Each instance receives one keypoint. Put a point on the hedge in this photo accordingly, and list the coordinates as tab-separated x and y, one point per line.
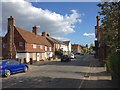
113	62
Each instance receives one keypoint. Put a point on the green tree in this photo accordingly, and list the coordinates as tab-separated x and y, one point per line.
86	48
86	45
110	11
59	52
91	47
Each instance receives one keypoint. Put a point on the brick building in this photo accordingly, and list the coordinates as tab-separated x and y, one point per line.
76	48
57	44
100	45
25	45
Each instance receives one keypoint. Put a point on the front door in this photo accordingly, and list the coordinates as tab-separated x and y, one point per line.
38	56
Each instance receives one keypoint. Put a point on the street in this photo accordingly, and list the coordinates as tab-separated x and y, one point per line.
82	72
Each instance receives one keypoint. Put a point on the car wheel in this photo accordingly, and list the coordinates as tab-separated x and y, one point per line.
69	59
7	73
25	69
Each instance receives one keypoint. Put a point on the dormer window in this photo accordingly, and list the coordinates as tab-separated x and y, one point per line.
34	45
20	44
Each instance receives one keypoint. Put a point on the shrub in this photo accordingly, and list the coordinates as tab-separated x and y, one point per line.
113	62
59	52
54	57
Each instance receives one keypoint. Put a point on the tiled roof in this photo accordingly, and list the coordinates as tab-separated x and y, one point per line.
78	45
30	37
55	40
52	40
58	41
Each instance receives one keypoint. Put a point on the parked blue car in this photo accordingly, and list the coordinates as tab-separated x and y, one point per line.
8	67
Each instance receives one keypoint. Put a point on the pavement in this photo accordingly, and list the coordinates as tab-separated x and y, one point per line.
42	62
98	77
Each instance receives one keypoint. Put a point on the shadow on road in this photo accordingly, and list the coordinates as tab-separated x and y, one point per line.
48	82
82	61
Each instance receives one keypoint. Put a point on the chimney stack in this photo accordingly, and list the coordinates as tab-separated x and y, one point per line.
11	49
98	21
35	30
11	22
44	34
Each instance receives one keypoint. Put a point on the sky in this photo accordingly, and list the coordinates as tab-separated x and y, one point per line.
74	21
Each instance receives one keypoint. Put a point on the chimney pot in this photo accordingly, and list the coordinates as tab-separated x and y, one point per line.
44	34
11	21
35	30
98	21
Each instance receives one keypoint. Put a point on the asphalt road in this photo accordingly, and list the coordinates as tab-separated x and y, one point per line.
82	72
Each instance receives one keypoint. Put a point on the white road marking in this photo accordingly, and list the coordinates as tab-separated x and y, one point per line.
84	78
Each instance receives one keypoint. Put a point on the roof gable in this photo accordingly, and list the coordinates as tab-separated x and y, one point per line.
66	42
30	37
52	40
58	41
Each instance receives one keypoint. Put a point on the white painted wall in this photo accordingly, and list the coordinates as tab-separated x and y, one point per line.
33	56
64	47
69	47
27	57
22	56
45	55
38	56
48	54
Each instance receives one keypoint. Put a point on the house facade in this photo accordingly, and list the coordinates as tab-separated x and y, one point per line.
57	44
100	45
68	46
22	44
76	48
52	41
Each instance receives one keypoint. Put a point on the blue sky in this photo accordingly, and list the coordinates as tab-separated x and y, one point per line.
89	11
62	20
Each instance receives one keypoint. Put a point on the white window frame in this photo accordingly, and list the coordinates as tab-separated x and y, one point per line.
45	48
34	46
50	48
41	46
20	44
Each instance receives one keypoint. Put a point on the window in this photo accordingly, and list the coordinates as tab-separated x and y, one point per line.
20	44
50	48
4	45
45	48
16	62
9	63
12	62
41	46
34	45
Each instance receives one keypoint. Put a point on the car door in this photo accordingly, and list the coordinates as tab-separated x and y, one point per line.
18	66
10	65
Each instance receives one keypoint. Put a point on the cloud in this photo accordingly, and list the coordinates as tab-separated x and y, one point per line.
89	34
62	38
27	16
